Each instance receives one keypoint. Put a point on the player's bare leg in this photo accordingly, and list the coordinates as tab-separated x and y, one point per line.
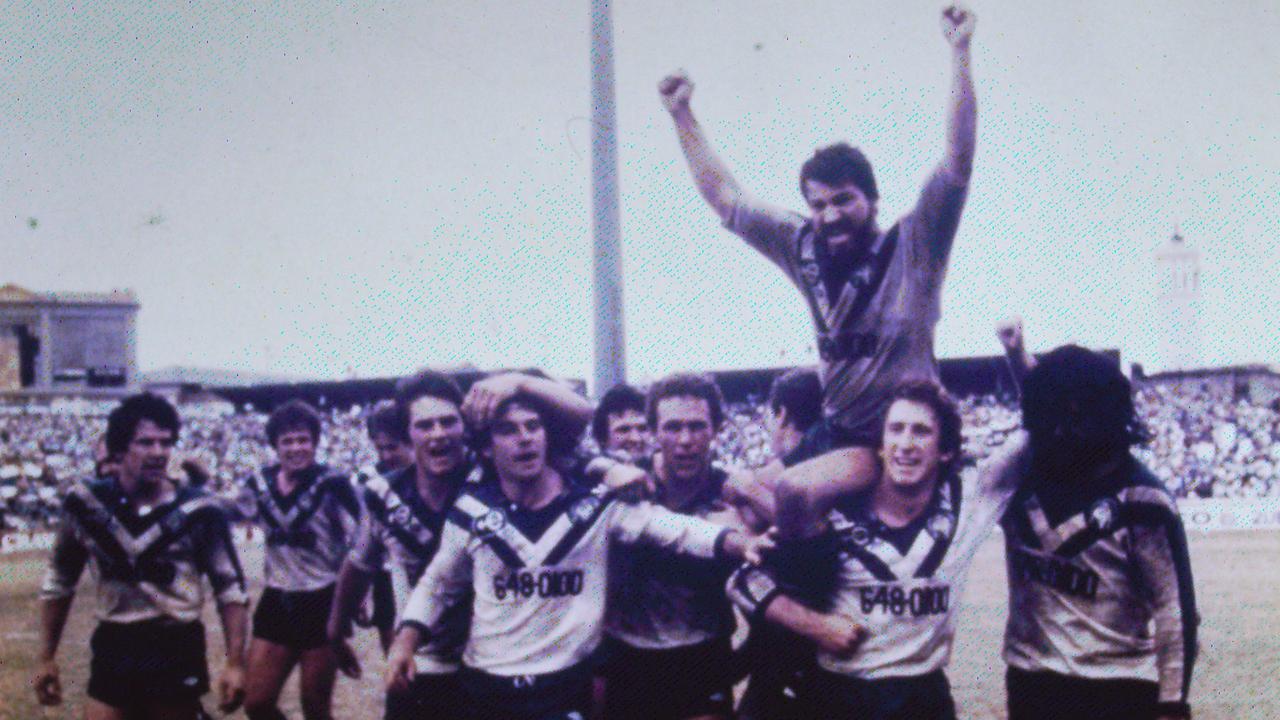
269	666
807	491
319	668
98	710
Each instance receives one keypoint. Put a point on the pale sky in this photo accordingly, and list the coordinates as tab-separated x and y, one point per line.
325	188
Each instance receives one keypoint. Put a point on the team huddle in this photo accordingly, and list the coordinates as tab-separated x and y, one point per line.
514	576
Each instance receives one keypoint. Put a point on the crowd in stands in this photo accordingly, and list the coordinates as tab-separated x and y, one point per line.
1202	444
1205	445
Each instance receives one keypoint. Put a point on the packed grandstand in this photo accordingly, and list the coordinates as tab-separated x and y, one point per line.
1203	444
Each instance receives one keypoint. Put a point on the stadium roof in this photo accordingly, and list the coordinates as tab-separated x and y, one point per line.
209	377
13	294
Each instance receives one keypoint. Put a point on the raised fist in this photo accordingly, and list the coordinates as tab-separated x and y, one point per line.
1010	334
957	25
676	89
47	685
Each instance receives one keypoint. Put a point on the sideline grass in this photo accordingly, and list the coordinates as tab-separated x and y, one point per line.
1237	583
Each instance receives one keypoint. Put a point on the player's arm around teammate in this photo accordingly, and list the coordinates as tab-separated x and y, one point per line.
900	555
532	548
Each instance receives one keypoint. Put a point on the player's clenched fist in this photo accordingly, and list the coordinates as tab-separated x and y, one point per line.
48	688
676	89
957	25
1009	332
840	635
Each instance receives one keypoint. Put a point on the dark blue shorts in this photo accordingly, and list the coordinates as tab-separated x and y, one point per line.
825	436
1050	696
149	661
428	696
669	684
921	697
562	695
297	620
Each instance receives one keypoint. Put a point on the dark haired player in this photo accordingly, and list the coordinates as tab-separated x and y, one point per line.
874	293
1102	612
774	657
405	513
900	554
310	515
793	408
148	541
386	433
618	424
530	547
394	451
669	622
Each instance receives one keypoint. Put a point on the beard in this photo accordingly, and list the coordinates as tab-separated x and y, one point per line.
854	244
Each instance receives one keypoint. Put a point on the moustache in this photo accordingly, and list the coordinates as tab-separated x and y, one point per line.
843	226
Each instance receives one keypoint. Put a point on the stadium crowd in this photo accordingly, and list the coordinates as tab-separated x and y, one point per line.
1202	444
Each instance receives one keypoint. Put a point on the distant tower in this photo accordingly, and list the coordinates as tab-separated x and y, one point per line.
1178	268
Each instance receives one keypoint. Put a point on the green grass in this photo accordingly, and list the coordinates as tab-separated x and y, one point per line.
1237	583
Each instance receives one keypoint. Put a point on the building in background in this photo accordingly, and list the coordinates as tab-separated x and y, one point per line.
1178	268
54	343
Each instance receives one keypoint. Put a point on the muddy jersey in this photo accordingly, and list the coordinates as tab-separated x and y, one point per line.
1100	585
876	329
660	600
309	531
539	577
904	584
146	565
400	527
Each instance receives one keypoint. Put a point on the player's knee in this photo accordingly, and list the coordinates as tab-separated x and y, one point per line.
260	708
792	498
316	706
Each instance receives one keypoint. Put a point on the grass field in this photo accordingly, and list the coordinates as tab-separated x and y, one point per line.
1237	584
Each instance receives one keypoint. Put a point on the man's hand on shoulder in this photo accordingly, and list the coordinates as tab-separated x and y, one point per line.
485	396
676	90
957	25
621	477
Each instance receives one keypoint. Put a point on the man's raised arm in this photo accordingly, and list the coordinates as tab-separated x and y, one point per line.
570	408
962	114
710	174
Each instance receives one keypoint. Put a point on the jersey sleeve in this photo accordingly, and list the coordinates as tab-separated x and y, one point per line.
752	588
445	582
67	561
351	510
652	524
217	559
999	477
806	570
345	508
772	231
1163	569
936	218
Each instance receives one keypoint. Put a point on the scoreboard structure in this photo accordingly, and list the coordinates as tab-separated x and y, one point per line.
67	342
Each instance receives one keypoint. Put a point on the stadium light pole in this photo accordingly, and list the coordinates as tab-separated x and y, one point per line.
610	355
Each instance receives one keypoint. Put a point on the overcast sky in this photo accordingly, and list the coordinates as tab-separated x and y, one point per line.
326	189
